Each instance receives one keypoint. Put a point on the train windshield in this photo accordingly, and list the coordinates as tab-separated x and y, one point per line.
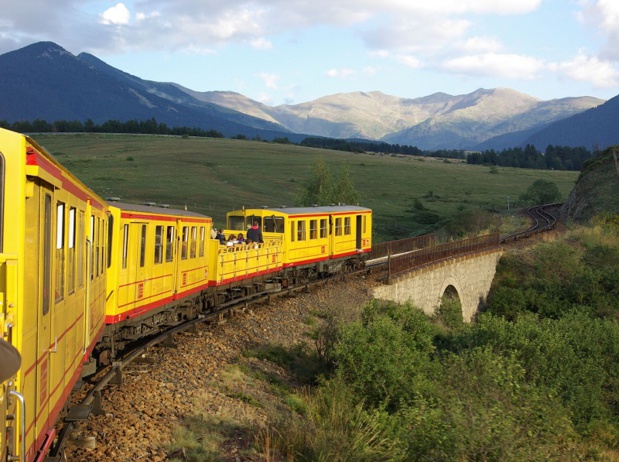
236	223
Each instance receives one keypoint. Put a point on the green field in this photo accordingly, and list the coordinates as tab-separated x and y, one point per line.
213	176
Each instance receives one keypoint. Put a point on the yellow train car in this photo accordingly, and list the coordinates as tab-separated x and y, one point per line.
245	265
314	239
52	288
158	267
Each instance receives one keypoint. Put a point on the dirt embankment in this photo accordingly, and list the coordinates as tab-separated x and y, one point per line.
207	379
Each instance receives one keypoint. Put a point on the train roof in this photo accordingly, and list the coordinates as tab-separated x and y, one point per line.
323	209
153	208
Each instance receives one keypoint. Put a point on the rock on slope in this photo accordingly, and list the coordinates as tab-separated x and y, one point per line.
596	190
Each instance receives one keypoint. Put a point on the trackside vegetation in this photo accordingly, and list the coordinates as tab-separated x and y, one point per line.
535	378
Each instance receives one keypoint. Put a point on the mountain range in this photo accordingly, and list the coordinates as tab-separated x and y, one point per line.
44	81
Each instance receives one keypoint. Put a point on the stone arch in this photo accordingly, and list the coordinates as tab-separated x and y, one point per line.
452	287
451	292
449	307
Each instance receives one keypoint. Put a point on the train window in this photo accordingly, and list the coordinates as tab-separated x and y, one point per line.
47	249
102	235
92	244
347	226
301	230
110	236
158	244
71	254
143	246
292	231
274	224
338	226
323	228
125	245
313	229
169	244
202	237
364	224
80	248
60	257
184	243
194	240
236	223
96	245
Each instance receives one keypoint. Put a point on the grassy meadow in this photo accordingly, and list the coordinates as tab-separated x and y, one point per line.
213	176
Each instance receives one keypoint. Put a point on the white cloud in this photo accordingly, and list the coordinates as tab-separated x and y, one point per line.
601	13
409	61
269	80
141	16
603	17
422	35
583	68
340	73
370	70
447	7
261	44
480	44
496	65
116	15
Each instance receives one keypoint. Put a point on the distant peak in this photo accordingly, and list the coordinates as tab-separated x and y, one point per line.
43	50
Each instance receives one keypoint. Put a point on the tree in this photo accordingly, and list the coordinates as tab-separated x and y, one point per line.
317	189
344	191
541	192
321	189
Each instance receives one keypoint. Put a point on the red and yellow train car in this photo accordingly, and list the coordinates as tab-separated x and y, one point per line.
52	287
314	240
158	268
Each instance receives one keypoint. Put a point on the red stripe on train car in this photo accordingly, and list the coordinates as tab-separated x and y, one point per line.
113	319
35	158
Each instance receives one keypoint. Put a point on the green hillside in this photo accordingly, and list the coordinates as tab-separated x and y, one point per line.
213	176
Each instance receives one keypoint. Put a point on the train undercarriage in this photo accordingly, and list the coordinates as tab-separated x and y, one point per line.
117	336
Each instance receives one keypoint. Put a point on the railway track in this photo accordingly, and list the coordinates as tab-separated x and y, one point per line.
544	219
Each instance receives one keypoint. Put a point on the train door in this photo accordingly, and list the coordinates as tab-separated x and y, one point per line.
38	306
359	239
137	259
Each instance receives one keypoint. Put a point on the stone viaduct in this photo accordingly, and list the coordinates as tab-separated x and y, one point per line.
466	273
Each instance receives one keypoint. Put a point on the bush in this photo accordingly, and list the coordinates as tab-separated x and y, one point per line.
384	357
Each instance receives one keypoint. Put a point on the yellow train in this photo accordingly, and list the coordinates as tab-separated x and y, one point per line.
80	277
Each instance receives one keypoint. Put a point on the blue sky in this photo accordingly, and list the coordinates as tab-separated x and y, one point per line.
293	51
